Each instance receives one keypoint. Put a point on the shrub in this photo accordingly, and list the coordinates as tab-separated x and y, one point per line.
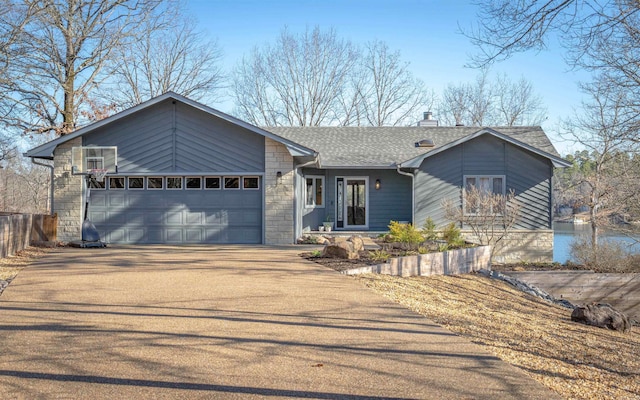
379	255
429	230
606	256
451	234
316	253
406	234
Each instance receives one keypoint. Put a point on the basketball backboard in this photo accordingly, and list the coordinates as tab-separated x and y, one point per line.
87	158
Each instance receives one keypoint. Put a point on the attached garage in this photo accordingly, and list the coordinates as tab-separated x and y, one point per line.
178	209
184	173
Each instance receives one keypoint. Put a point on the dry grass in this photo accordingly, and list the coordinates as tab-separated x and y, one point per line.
10	266
574	360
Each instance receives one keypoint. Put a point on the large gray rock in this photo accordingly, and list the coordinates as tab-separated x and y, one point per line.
601	315
342	249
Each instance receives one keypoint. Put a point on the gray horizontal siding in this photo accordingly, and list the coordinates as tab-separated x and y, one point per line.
391	203
439	177
530	178
170	137
529	175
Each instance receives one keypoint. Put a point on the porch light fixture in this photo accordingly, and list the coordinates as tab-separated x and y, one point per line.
278	177
377	184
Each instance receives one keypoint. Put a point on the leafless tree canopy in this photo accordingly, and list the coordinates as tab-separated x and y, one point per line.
609	186
171	56
602	36
485	102
65	47
316	78
296	81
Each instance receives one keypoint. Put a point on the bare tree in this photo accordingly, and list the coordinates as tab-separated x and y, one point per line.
66	47
391	95
172	56
609	186
489	216
486	102
297	81
601	36
516	103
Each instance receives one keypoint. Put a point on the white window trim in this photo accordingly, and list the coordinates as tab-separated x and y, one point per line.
174	177
104	182
224	183
477	178
188	188
124	182
155	177
220	183
324	190
255	177
130	188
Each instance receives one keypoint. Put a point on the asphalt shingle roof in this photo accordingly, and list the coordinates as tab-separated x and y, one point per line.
388	146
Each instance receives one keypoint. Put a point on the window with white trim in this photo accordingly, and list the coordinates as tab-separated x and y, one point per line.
485	184
232	182
155	183
250	183
193	182
135	182
174	182
314	191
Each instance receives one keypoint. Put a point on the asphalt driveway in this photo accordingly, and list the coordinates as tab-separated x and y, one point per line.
226	322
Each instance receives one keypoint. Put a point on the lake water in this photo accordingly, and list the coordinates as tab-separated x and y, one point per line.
563	235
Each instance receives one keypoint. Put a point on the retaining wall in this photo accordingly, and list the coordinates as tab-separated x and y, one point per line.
450	262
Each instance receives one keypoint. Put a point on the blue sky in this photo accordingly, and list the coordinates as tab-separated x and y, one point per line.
425	31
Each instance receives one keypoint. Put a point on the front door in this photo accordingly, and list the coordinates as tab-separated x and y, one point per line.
352	202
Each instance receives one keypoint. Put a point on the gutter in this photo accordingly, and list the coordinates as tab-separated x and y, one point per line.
33	161
413	193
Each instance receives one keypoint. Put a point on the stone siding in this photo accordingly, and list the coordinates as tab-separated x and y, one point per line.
524	246
67	193
279	194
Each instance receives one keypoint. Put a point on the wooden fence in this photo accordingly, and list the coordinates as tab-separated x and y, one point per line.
18	231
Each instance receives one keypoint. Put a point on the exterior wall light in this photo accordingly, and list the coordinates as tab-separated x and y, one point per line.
278	178
378	184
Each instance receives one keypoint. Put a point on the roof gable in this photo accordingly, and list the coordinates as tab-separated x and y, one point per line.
417	161
46	150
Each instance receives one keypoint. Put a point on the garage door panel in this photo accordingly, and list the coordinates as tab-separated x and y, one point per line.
178	216
193	218
135	235
194	236
173	217
174	235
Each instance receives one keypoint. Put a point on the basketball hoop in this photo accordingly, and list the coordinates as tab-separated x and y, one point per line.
98	174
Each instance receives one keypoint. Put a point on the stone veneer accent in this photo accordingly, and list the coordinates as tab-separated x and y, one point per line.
525	246
279	196
67	193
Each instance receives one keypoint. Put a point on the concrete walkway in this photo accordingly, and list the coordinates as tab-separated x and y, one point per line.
226	322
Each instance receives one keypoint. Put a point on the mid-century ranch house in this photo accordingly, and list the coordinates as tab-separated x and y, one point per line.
188	174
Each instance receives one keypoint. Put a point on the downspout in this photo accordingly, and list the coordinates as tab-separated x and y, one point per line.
413	193
295	192
33	161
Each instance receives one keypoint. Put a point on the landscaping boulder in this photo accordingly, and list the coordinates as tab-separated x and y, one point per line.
358	243
343	249
601	315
